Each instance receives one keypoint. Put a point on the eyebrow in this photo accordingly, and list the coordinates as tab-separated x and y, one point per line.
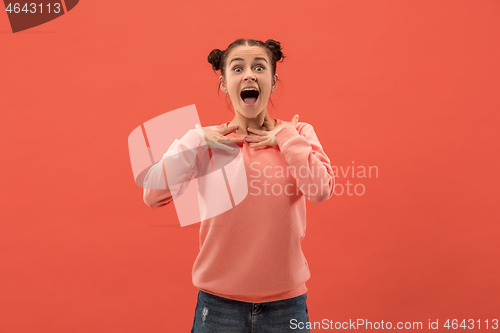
256	58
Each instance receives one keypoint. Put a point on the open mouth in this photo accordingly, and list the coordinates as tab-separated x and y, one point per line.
249	97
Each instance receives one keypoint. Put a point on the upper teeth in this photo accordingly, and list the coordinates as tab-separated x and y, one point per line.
250	88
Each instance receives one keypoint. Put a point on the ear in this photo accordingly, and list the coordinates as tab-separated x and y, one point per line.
222	84
275	81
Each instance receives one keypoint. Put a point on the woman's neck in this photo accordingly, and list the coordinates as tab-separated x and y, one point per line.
243	122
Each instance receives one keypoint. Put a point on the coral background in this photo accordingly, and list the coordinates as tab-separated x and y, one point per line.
408	86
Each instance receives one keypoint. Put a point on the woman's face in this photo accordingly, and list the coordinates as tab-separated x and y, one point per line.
248	66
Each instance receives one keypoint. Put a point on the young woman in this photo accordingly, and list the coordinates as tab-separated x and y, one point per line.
250	270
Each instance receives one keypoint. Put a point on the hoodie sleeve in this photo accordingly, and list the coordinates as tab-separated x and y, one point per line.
170	176
308	163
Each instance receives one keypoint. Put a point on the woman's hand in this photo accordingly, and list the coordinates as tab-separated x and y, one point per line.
217	138
268	138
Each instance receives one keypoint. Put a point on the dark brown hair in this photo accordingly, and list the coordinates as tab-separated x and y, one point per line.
218	57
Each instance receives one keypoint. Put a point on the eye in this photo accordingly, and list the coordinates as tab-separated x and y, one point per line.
258	66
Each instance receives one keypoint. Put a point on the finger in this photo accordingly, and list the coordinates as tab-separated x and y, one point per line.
224	138
295	120
220	146
240	139
255	138
260	144
231	139
229	129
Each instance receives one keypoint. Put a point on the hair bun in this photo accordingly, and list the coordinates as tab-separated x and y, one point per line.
275	48
214	58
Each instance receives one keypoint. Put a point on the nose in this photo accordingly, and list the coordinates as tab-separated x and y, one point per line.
249	75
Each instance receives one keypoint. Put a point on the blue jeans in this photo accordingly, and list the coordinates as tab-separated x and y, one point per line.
214	314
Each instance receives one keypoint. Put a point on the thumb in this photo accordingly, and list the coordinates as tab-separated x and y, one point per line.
295	120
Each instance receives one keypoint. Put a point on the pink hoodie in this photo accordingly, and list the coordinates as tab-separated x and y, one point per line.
252	252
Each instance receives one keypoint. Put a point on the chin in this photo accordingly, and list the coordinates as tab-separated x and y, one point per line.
250	114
